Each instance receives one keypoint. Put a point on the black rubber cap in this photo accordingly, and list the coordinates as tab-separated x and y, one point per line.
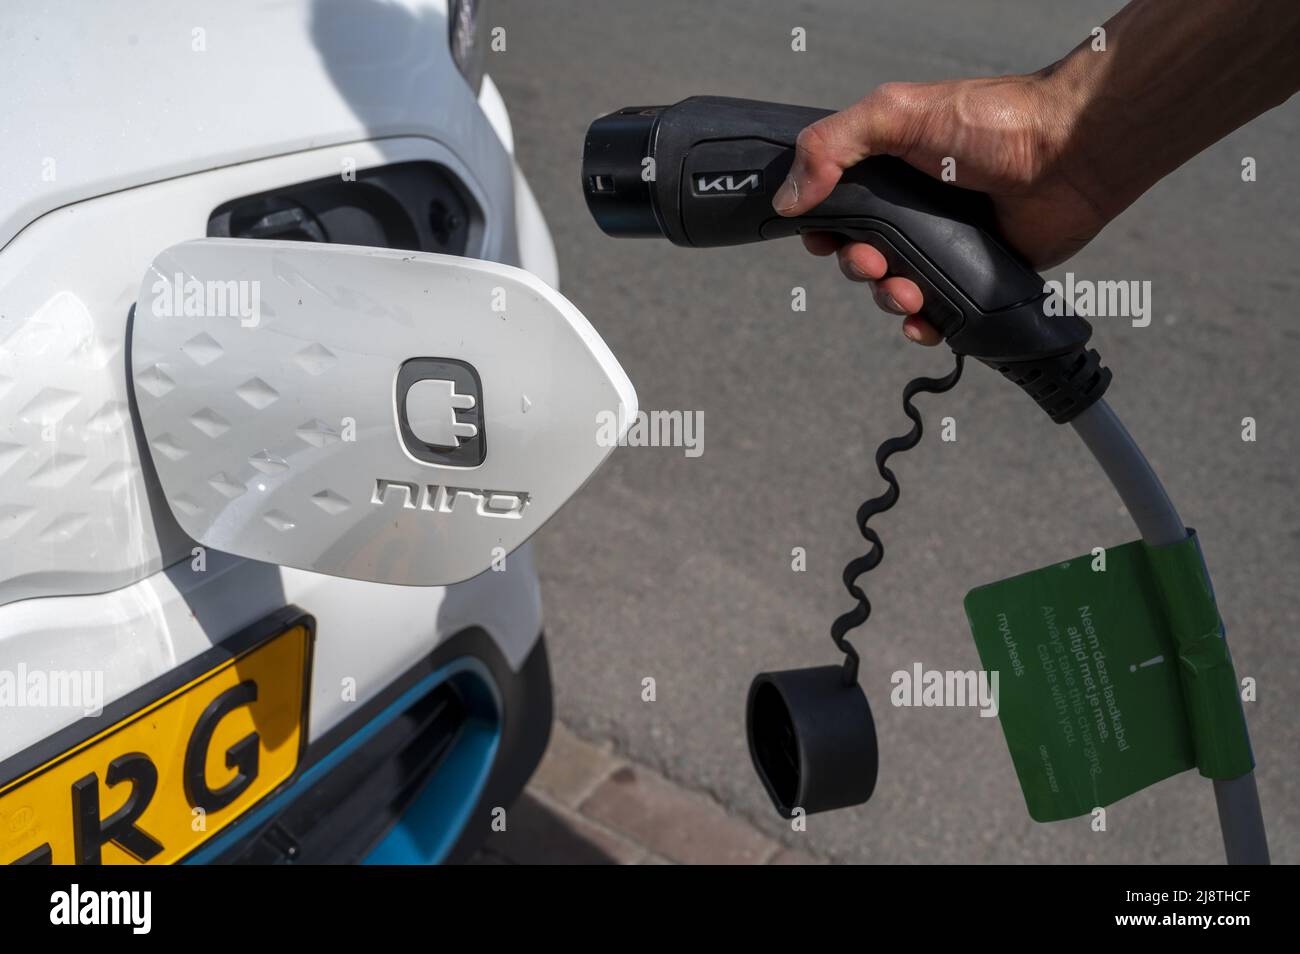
812	739
619	197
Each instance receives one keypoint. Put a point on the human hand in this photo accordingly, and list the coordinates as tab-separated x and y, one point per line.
1008	138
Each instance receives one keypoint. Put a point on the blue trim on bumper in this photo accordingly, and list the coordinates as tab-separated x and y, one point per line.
430	826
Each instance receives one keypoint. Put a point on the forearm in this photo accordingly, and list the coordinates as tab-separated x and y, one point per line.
1175	77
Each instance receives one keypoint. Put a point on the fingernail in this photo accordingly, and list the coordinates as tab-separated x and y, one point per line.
911	333
891	303
856	272
786	196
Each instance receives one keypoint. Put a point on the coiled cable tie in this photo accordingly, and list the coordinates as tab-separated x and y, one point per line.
871	559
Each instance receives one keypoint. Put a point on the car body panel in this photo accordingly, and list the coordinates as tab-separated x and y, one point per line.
126	129
76	511
378	414
166	88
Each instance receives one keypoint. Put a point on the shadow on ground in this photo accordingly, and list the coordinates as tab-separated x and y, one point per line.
537	835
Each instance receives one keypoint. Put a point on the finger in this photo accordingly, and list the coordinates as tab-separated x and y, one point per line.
899	296
834	143
861	262
921	331
821	153
821	243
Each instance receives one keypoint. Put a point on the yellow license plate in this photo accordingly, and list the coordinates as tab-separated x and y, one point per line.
150	784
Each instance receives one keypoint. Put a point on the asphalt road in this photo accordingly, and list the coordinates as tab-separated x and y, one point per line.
680	569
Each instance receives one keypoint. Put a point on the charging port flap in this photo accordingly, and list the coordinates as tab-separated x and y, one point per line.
399	417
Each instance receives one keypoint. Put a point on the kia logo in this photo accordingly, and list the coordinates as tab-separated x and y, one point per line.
728	183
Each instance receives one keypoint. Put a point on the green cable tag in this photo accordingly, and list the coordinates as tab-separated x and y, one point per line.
1110	680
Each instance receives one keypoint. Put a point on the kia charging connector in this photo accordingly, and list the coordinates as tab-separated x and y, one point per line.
703	173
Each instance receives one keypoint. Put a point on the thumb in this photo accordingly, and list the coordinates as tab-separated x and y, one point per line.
834	143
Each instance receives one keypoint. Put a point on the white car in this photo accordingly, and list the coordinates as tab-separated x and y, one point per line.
236	462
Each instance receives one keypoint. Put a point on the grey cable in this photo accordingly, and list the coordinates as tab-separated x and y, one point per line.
1144	496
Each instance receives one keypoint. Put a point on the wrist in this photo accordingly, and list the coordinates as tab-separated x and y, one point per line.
1083	140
